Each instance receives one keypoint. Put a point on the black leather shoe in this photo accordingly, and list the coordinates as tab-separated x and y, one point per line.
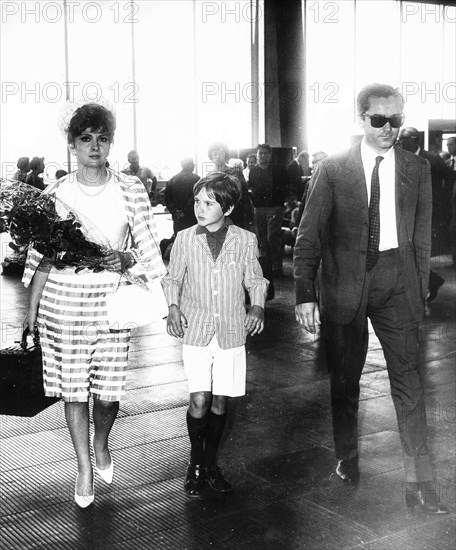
194	481
348	470
216	481
424	504
435	282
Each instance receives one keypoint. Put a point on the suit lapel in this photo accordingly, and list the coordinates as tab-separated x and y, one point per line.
403	182
228	244
356	175
202	243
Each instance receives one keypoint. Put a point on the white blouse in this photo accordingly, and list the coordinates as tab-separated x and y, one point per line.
102	213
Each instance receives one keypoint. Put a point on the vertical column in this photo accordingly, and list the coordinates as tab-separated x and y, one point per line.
285	97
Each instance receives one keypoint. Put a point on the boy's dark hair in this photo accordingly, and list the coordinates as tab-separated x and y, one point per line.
93	117
226	190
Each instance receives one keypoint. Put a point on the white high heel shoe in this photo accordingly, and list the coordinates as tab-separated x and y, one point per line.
107	474
83	501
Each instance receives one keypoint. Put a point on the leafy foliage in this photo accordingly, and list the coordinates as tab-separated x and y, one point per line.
30	217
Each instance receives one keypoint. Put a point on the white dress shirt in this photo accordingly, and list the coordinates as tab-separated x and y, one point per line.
386	174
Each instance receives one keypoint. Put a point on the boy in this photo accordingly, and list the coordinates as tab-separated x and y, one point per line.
211	264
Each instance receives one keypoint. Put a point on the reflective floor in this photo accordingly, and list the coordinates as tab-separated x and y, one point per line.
277	451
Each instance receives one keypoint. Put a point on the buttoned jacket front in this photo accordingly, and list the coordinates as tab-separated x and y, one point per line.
210	293
334	230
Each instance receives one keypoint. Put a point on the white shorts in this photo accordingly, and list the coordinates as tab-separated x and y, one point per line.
216	370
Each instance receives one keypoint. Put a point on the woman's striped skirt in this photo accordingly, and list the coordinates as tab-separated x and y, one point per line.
81	356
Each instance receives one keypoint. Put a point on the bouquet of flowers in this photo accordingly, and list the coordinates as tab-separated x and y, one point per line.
31	219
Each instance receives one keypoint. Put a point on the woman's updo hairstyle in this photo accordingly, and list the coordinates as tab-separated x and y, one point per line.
94	117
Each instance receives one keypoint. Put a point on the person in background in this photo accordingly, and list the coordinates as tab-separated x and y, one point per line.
297	170
23	165
211	266
451	164
269	187
142	173
179	196
243	214
60	173
251	161
37	168
83	356
442	179
366	229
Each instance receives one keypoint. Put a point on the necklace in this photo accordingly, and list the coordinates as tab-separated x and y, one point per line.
99	191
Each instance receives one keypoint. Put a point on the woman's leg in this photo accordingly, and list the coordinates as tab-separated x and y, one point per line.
104	414
77	417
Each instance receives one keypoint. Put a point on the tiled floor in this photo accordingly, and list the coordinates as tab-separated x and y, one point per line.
277	451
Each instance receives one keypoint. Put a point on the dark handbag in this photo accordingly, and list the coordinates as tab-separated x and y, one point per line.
21	378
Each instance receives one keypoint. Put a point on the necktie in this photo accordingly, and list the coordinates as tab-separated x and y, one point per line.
452	163
374	218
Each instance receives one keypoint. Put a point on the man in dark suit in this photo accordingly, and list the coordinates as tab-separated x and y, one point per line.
297	170
179	199
442	185
367	220
268	185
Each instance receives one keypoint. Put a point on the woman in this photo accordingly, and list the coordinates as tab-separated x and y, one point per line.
243	214
82	357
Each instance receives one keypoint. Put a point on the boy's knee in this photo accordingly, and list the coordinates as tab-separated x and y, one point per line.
199	403
219	403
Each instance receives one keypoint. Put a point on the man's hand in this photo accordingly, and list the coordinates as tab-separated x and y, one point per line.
176	322
254	320
308	315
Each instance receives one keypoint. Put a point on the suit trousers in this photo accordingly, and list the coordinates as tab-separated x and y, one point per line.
268	221
384	303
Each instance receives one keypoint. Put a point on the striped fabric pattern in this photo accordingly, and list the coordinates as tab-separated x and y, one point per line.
211	293
81	356
140	220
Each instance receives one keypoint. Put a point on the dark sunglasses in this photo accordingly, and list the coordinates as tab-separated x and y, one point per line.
378	121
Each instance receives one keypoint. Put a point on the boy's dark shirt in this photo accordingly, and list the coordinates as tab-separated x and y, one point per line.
215	239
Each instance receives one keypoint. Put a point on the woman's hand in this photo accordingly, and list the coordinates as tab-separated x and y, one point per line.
117	261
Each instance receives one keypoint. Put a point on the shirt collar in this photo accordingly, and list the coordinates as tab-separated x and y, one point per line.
368	152
200	230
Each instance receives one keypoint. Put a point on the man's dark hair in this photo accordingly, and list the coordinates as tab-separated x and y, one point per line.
91	116
226	190
375	90
36	163
264	146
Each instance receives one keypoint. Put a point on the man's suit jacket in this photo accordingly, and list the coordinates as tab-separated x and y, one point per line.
334	229
295	173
